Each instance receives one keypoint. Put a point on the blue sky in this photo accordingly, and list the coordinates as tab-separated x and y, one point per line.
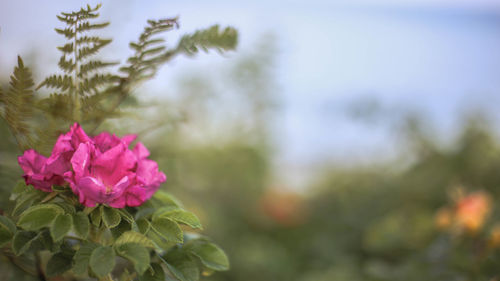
441	56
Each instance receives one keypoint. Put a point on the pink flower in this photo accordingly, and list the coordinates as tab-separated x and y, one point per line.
36	172
101	169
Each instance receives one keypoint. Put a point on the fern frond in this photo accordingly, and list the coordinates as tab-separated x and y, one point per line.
63	82
67	32
84	52
57	105
86	26
211	38
98	80
18	104
66	65
93	66
67	48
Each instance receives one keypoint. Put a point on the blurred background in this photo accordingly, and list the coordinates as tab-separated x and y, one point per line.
346	140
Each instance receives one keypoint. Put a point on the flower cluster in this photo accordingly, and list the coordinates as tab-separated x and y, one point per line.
100	169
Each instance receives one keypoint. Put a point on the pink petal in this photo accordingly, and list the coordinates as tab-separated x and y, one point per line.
140	151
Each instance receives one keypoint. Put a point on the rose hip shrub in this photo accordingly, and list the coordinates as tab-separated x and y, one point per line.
87	198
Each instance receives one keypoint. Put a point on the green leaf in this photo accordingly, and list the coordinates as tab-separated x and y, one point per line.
179	215
26	200
143	225
7	230
39	216
182	266
134	237
19	189
81	224
111	217
102	260
81	259
61	226
22	241
59	263
96	216
166	199
210	255
137	254
155	273
68	208
167	229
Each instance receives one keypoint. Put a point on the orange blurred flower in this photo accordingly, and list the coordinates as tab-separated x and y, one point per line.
472	210
283	207
444	218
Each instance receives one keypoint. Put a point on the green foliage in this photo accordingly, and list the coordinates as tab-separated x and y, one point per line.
18	103
102	260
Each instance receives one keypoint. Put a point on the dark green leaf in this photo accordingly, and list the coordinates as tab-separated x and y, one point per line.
155	273
111	217
81	224
210	255
39	216
102	260
178	215
137	254
82	258
22	241
167	229
7	230
134	237
59	263
182	266
61	226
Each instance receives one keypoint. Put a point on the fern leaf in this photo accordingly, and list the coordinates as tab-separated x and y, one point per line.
88	85
211	38
93	66
67	65
18	103
86	26
67	48
67	32
63	82
84	52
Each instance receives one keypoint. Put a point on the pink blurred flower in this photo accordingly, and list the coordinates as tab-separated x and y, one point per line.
101	169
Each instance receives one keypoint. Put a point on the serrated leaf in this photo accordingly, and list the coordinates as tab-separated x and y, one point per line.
155	273
167	229
81	259
81	224
96	216
182	266
178	215
210	254
7	230
59	263
24	202
39	216
22	241
137	254
166	199
61	226
111	217
102	260
134	237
